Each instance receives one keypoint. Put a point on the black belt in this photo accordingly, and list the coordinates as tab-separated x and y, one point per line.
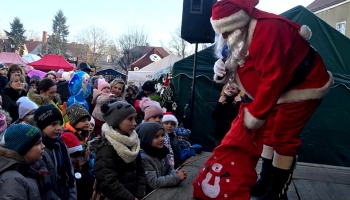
303	69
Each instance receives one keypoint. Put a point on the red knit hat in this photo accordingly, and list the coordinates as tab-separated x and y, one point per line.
72	142
229	15
168	116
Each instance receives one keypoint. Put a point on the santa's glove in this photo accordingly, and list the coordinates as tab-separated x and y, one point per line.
219	68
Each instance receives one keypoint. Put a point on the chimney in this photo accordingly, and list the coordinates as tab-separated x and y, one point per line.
44	44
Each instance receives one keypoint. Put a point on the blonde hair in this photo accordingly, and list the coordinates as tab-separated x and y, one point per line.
120	81
21	78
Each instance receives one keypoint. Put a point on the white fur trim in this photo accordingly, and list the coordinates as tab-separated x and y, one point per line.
230	23
267	152
75	149
121	143
250	121
172	118
306	94
282	162
305	32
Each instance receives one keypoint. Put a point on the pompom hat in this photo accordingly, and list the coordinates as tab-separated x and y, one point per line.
102	84
229	15
150	108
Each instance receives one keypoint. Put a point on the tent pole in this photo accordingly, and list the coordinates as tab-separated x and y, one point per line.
193	88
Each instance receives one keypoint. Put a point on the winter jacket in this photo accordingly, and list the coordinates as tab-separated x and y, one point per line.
3	82
13	185
159	173
9	99
50	159
63	91
224	114
174	141
99	98
115	178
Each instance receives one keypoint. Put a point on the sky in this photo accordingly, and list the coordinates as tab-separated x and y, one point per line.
157	17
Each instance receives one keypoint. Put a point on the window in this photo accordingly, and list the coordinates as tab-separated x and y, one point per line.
341	26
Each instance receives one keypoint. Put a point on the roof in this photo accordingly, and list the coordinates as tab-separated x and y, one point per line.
321	4
161	64
31	45
145	59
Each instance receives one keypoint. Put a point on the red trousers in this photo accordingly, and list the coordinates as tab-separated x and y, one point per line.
284	124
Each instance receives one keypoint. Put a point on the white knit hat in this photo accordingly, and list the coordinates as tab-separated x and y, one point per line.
25	105
168	116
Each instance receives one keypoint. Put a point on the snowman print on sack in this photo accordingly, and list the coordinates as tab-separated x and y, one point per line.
211	183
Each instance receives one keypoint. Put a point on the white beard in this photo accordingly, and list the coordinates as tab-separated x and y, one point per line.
236	52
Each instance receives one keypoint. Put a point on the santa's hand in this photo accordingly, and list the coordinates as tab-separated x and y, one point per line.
219	68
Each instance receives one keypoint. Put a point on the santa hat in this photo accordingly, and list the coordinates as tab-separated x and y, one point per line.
72	142
229	15
102	84
168	116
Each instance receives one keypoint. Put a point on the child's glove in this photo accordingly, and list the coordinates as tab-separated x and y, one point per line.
197	148
63	108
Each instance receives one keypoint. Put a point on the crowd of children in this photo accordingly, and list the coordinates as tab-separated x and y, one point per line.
100	155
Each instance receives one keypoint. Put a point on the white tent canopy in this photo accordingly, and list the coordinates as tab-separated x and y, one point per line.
31	57
161	64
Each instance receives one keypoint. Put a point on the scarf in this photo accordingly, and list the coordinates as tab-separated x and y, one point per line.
156	152
127	147
63	160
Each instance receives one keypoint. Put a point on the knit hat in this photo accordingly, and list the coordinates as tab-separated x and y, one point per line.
149	86
46	114
21	138
150	108
168	116
116	112
25	105
72	142
229	15
66	76
102	84
76	112
3	66
59	72
147	131
3	123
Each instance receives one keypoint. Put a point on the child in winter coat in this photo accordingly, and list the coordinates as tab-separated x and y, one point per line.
26	109
154	113
118	167
186	149
79	126
101	96
159	172
22	173
48	119
170	123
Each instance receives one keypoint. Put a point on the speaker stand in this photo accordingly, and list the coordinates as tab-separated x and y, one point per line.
193	87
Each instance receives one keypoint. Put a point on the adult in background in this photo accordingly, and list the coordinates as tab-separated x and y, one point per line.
92	71
225	110
13	91
130	96
147	89
3	75
281	72
117	88
83	66
51	75
62	86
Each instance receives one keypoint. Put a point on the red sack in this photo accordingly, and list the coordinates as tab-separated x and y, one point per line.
230	171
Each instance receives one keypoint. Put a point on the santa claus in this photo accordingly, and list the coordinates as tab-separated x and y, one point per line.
270	60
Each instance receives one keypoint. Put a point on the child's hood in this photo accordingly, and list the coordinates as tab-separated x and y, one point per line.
8	159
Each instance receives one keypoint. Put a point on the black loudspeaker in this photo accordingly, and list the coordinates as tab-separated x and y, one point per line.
196	26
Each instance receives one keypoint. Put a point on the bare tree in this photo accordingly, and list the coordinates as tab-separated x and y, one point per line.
177	45
32	34
81	51
113	51
133	43
96	38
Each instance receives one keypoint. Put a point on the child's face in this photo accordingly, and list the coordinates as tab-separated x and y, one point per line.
91	127
157	118
106	90
158	140
83	124
53	130
169	126
35	153
3	71
128	125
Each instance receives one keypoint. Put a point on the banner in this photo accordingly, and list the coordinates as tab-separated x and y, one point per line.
140	76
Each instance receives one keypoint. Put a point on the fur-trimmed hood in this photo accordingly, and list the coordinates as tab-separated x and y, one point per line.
9	158
42	100
98	142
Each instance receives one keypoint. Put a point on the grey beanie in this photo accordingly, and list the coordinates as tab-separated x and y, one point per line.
116	112
147	131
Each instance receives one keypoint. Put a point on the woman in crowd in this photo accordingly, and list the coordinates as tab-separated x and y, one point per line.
14	90
14	69
117	88
130	95
51	75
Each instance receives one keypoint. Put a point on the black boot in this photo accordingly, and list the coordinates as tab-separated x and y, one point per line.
280	180
263	182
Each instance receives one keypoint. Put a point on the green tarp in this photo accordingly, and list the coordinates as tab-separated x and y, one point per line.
326	137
